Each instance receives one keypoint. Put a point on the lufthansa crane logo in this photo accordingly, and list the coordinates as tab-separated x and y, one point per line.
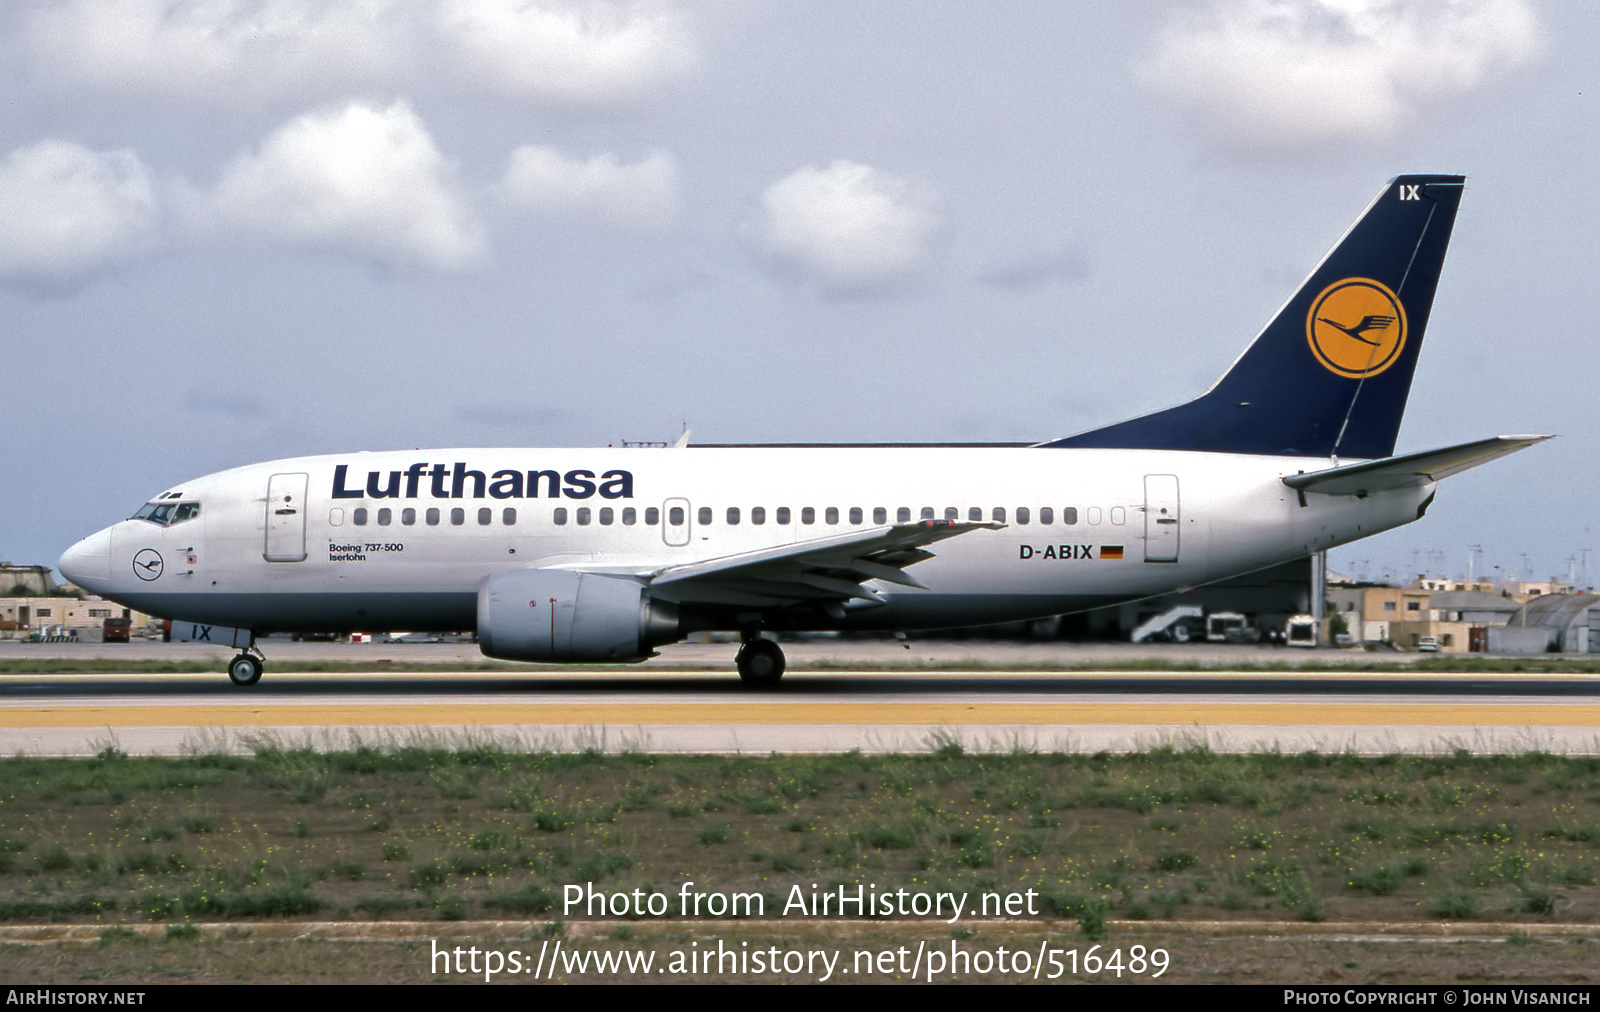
1356	327
147	564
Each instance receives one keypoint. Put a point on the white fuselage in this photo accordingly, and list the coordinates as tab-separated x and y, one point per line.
326	553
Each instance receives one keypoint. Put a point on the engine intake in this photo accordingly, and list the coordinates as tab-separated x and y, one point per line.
557	615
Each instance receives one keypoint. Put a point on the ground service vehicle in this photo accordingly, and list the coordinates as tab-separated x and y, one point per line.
1300	631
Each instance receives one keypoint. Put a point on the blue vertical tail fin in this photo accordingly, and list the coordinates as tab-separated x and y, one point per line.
1329	376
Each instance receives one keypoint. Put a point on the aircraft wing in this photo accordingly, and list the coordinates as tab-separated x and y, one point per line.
1408	470
828	570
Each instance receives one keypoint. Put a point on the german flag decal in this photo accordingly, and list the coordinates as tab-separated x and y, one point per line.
1111	551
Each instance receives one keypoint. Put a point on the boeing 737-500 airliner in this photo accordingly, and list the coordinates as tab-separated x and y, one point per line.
599	555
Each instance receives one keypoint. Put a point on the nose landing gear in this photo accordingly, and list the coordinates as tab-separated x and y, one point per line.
245	669
760	663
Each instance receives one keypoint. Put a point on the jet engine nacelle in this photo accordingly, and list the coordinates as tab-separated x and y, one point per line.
556	615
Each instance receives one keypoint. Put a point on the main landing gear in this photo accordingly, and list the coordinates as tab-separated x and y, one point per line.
245	669
760	663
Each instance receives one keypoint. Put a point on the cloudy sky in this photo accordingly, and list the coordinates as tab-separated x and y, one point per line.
234	230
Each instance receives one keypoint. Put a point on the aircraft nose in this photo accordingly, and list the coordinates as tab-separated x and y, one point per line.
88	563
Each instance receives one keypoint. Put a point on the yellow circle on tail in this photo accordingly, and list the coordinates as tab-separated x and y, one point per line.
1356	327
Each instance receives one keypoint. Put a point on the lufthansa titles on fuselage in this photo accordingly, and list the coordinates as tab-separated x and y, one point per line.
467	483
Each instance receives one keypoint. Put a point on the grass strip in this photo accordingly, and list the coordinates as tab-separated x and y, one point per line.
474	832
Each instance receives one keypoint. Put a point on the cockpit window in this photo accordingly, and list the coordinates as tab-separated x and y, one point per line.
165	514
155	512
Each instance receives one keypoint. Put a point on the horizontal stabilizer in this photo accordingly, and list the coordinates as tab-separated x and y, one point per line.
1410	470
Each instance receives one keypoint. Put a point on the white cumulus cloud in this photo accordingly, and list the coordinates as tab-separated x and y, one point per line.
642	194
1296	74
847	227
361	178
68	210
587	52
220	51
584	53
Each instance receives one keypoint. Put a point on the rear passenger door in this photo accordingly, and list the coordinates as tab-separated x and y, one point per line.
1161	519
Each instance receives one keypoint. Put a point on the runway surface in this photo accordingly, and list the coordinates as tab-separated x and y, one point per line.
674	709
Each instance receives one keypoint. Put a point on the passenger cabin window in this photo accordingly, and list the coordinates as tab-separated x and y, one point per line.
902	515
432	516
458	516
733	515
705	515
508	516
608	516
385	515
927	512
975	513
675	516
998	514
758	514
408	516
359	517
1022	515
652	516
880	515
855	514
1069	515
1047	515
583	516
783	514
630	516
485	516
951	513
560	516
808	515
831	514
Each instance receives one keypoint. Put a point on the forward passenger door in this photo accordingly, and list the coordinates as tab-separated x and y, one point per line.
286	518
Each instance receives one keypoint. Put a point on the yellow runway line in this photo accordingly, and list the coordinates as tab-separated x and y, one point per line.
447	714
